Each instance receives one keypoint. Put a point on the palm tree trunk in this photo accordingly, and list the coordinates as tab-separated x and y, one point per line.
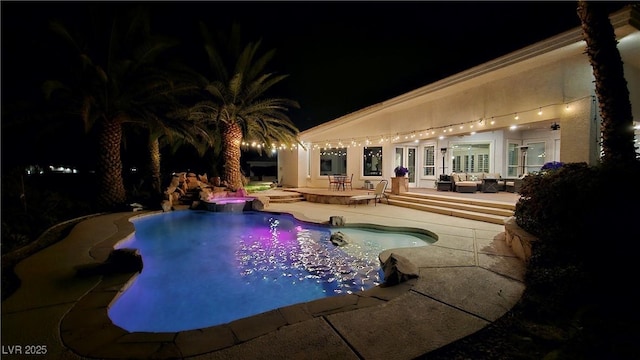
111	192
154	154
231	140
611	86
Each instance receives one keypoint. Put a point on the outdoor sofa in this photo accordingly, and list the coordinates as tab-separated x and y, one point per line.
472	182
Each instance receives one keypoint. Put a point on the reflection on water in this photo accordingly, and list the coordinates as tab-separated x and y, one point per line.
203	269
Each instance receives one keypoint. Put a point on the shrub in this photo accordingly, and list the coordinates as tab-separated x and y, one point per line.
585	220
32	204
578	207
559	205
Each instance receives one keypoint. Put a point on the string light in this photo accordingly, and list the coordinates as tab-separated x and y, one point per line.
482	122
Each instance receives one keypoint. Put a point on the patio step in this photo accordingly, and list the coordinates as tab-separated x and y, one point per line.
286	198
482	210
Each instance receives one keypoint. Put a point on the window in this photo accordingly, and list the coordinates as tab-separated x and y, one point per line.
399	157
536	155
333	161
483	163
429	161
372	161
512	160
468	163
471	157
456	163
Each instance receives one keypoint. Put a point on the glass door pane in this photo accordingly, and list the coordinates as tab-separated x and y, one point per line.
411	165
512	160
536	156
399	158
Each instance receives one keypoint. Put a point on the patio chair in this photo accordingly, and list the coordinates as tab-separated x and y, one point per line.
378	194
334	182
348	182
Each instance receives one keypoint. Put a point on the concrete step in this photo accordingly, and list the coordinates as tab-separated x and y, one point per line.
460	200
472	215
482	210
484	207
286	199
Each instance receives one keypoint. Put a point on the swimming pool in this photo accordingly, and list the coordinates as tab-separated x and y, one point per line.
208	268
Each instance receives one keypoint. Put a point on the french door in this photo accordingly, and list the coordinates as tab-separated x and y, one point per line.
406	156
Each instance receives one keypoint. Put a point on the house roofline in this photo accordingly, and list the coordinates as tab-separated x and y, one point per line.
628	15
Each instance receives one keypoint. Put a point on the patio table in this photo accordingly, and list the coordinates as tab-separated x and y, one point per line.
340	179
490	185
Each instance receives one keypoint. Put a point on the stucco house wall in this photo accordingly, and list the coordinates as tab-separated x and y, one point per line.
550	81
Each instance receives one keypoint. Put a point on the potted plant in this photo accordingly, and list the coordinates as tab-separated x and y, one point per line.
551	166
400	183
401	171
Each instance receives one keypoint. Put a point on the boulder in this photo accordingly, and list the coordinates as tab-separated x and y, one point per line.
205	194
260	203
336	221
192	182
203	179
398	269
518	239
123	261
339	239
166	206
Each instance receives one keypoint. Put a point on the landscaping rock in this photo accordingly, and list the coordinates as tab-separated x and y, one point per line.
518	239
124	261
336	220
166	206
339	239
119	261
260	203
398	269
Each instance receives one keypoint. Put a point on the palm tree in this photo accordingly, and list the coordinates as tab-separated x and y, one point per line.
611	86
235	105
118	86
173	132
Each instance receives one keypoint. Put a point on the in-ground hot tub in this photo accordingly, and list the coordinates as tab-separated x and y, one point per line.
229	204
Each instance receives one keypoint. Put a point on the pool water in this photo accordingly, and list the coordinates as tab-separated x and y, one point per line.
209	268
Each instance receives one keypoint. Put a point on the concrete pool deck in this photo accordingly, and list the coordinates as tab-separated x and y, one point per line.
468	279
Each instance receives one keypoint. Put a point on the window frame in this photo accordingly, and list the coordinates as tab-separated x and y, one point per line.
364	161
425	159
469	162
334	165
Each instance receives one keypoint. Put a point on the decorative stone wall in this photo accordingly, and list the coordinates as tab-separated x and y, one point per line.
335	199
519	240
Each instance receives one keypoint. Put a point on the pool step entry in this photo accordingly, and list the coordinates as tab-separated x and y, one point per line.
475	209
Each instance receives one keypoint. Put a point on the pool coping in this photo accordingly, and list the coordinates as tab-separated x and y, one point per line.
469	278
88	331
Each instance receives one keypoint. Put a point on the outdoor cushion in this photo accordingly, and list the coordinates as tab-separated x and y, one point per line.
466	183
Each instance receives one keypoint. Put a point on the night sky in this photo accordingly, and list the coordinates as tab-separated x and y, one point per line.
341	56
